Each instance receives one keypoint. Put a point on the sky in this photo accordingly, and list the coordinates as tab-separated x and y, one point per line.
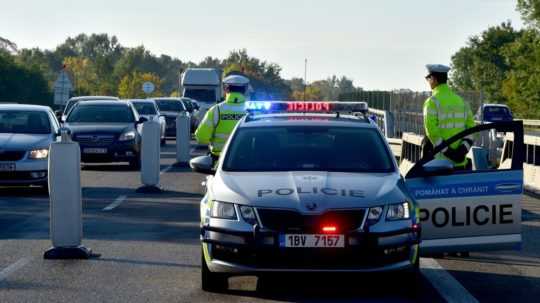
380	44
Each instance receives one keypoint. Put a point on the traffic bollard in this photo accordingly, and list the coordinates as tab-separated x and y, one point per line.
65	200
150	157
183	138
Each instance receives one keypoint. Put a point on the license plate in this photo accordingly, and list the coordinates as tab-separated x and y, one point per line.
95	150
313	241
7	166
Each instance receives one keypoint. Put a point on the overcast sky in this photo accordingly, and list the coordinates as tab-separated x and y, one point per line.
380	44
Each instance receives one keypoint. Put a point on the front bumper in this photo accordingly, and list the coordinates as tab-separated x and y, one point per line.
242	253
27	172
116	152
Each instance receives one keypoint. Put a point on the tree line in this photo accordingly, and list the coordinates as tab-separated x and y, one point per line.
99	65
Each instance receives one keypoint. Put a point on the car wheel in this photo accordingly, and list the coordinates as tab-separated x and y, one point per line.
210	281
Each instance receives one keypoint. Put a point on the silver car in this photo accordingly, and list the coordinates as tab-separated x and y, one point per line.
26	132
148	109
299	192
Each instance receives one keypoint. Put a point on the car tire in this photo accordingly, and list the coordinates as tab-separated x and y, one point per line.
210	281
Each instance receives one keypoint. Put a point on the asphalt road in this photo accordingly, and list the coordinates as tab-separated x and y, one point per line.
150	252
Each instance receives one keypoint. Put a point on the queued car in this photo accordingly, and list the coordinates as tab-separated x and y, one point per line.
171	108
148	109
26	132
107	131
490	112
193	108
74	100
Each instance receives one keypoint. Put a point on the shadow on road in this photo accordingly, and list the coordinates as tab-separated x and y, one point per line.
338	288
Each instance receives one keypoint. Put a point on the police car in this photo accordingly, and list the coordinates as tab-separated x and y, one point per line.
303	187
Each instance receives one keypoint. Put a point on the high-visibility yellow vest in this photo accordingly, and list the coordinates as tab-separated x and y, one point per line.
445	115
219	121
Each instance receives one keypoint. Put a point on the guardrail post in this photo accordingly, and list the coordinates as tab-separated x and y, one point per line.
65	198
150	157
183	138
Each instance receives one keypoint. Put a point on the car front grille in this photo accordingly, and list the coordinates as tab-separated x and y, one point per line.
11	155
293	221
95	140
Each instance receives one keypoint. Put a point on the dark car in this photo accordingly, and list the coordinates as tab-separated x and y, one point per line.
107	131
170	108
488	113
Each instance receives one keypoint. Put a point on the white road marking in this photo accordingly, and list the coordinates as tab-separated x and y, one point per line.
447	286
166	169
116	203
13	268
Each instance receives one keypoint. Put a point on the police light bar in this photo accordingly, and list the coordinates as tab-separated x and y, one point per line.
262	107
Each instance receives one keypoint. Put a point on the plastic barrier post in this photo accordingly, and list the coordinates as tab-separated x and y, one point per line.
65	201
150	157
183	138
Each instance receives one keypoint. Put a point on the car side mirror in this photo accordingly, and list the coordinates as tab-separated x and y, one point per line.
203	165
438	166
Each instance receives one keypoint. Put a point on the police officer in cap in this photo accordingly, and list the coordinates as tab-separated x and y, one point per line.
445	115
220	120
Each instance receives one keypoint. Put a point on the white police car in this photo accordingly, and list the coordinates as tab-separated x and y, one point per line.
306	189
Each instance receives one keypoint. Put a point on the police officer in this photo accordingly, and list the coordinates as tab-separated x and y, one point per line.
220	119
445	115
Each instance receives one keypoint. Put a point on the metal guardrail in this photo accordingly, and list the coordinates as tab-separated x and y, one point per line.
384	120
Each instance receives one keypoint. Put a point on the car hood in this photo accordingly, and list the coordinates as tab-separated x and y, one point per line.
24	141
299	190
91	128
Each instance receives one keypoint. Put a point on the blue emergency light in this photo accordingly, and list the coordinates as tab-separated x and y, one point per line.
265	107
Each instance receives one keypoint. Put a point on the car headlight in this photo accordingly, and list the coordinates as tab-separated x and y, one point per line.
39	153
398	211
223	210
248	214
374	214
129	135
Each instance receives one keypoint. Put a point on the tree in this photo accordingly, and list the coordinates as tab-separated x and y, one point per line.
530	10
130	86
264	77
482	65
522	85
22	84
7	45
84	75
313	93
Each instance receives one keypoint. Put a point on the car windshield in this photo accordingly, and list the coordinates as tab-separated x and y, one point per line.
24	122
145	108
201	95
170	106
101	113
317	148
